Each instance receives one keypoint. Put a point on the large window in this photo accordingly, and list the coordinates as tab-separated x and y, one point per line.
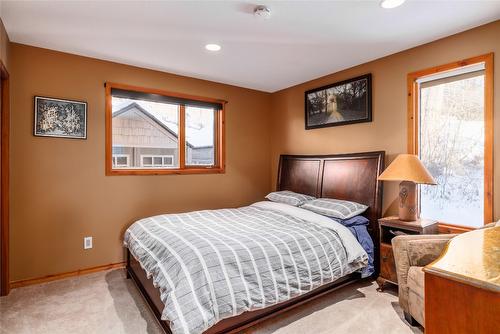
156	132
451	131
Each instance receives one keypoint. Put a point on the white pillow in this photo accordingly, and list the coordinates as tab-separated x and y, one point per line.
289	197
335	208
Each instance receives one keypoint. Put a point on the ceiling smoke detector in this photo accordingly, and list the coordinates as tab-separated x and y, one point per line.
262	12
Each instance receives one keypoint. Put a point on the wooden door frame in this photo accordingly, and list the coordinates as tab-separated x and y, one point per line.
413	125
4	181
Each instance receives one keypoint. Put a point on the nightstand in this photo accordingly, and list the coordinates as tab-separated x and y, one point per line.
389	228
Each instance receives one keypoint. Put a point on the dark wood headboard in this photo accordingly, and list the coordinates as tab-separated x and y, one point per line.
351	177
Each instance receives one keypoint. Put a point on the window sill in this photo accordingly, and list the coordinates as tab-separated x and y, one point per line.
453	229
211	170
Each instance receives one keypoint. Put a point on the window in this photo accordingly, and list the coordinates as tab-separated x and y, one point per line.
157	160
450	128
120	160
200	136
156	132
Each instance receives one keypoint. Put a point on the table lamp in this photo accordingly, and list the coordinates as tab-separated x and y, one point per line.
408	169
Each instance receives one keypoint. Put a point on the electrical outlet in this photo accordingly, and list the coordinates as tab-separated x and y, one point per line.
87	242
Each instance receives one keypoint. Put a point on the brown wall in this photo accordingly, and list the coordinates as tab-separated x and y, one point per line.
59	191
388	129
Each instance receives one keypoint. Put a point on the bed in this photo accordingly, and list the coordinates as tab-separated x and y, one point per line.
330	264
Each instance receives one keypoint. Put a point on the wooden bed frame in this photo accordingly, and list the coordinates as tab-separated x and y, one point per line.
342	176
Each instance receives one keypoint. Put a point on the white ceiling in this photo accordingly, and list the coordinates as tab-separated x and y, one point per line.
302	41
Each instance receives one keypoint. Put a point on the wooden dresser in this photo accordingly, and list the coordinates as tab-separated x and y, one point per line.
462	287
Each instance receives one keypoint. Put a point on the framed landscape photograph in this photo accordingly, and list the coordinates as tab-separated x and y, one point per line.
60	118
345	102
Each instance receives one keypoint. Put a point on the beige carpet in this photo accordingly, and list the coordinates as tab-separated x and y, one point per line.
109	303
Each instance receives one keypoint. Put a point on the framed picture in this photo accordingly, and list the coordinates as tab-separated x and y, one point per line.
345	102
60	118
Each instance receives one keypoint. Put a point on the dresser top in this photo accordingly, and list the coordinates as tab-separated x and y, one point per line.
471	258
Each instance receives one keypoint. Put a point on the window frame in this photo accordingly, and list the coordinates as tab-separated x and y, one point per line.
121	156
413	127
219	151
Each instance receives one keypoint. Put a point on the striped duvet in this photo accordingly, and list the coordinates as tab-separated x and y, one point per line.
211	265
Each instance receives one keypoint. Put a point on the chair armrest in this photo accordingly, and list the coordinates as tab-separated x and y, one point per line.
417	250
494	224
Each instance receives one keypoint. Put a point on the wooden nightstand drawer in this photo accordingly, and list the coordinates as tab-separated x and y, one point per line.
387	264
390	227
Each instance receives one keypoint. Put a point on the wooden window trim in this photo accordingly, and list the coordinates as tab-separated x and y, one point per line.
413	125
444	228
219	154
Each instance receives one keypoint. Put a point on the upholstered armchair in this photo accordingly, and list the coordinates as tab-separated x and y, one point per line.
411	254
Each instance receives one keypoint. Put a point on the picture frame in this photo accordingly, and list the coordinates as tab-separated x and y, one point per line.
341	103
59	118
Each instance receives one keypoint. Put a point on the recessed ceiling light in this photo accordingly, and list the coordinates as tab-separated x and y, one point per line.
388	4
213	47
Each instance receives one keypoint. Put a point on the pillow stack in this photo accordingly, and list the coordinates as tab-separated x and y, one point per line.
289	197
334	208
329	207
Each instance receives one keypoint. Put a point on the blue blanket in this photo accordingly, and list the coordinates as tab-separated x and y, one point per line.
357	225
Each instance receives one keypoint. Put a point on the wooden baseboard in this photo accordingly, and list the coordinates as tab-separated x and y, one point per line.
55	277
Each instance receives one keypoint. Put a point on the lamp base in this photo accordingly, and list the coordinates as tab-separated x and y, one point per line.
408	201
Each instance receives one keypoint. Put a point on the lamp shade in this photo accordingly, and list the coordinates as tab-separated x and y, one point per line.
407	167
